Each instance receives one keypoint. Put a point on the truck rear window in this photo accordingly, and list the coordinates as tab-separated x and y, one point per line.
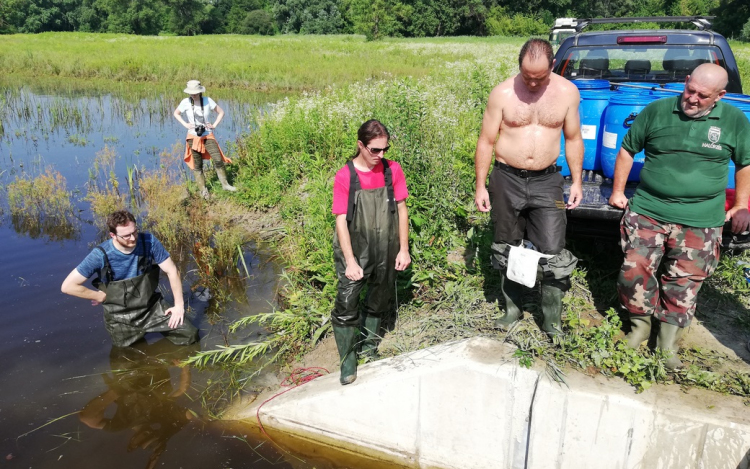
657	63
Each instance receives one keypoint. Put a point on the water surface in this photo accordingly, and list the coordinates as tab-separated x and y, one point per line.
69	399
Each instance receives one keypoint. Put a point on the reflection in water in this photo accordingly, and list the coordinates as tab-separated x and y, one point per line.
41	207
140	388
44	114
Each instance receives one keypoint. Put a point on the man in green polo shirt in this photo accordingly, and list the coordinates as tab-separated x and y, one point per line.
676	215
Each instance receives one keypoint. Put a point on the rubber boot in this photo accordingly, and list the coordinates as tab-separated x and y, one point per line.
200	180
222	173
346	342
513	294
640	330
370	337
552	296
669	335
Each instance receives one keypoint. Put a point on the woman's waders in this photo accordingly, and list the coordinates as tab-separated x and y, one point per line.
134	307
372	221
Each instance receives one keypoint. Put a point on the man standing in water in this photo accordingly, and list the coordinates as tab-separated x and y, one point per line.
522	123
127	267
677	211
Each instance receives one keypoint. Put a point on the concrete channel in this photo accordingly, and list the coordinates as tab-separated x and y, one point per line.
469	405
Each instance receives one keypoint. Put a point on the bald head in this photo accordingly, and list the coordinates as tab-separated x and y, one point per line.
703	89
710	76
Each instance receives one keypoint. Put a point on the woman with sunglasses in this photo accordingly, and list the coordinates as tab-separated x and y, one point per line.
200	141
371	242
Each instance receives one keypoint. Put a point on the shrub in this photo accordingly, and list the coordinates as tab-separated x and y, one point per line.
258	22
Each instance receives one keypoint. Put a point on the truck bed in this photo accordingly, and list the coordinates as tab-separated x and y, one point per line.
594	217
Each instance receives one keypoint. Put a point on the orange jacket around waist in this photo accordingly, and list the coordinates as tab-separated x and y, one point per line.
198	144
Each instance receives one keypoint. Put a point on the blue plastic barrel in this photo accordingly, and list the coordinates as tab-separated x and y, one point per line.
679	85
591	110
659	93
594	100
743	106
730	183
618	117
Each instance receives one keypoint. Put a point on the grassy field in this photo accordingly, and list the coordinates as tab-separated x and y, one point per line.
431	94
225	64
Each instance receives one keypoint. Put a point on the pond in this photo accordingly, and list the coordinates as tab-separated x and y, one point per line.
69	398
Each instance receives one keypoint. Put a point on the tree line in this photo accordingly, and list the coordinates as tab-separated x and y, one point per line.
373	18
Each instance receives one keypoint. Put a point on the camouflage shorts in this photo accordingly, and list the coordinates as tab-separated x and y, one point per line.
687	257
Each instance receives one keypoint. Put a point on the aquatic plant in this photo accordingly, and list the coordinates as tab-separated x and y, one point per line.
40	206
78	140
103	188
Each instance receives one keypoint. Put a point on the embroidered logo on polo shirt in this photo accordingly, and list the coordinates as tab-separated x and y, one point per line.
714	134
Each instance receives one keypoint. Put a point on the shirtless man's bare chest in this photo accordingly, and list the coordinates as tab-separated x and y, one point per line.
530	126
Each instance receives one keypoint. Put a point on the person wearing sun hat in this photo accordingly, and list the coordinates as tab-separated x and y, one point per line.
200	141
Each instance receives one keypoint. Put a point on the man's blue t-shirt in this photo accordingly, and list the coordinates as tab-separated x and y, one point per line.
123	265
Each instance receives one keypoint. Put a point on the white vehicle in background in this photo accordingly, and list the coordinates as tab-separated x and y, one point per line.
563	28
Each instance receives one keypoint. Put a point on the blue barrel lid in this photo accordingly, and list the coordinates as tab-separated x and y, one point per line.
680	85
631	99
592	84
660	93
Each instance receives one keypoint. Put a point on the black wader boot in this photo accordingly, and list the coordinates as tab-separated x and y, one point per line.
669	335
370	337
513	294
552	295
640	330
346	342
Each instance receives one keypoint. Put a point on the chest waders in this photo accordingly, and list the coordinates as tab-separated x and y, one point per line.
134	307
372	221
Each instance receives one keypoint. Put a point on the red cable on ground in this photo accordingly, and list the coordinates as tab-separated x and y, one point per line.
296	378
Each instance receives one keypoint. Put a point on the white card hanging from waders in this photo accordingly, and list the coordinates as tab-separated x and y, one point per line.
523	264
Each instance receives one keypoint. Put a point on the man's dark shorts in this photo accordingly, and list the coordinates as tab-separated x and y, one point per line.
532	204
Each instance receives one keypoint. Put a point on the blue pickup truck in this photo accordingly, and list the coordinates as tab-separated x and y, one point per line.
618	72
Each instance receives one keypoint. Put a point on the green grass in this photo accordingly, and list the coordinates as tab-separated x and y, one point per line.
281	64
742	55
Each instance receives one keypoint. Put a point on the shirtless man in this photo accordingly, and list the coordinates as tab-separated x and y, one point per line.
528	111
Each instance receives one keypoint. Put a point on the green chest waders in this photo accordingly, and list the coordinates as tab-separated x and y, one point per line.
372	221
134	307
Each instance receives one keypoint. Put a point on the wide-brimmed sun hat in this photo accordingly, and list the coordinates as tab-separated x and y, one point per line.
195	87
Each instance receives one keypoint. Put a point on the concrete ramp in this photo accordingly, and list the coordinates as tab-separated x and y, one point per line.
468	405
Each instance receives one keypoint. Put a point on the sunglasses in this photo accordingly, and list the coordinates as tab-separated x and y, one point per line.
378	150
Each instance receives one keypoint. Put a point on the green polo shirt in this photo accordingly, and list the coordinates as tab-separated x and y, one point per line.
684	176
